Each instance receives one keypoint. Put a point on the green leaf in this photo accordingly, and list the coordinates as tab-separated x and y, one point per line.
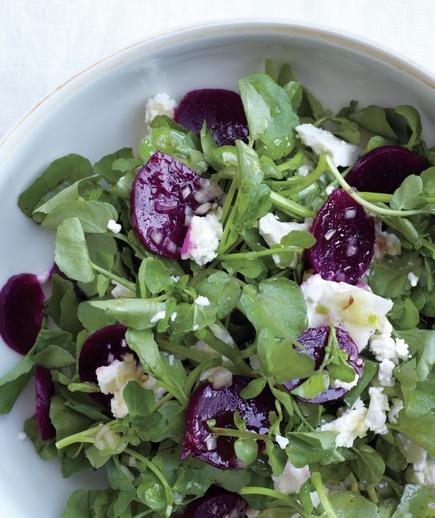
415	501
246	450
368	466
82	503
54	357
413	122
62	304
249	268
409	194
104	166
253	388
310	447
222	290
136	313
159	274
280	359
422	343
13	382
270	115
45	449
60	174
278	305
352	505
93	215
369	372
419	429
374	119
192	317
71	253
140	402
313	386
65	420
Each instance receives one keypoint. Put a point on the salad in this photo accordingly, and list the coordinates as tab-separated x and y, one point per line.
240	316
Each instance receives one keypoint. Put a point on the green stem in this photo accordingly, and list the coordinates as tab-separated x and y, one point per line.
260	253
289	207
316	479
264	491
127	284
197	371
231	432
366	204
386	198
371	491
311	178
166	487
180	350
229	199
294	162
86	436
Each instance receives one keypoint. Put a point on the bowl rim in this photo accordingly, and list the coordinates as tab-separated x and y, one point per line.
196	32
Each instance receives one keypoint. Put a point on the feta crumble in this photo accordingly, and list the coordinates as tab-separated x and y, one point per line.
202	239
385	347
291	479
386	243
219	377
160	104
321	141
22	436
396	407
345	385
121	292
385	373
160	315
413	279
202	301
376	414
282	441
113	226
210	442
359	311
304	170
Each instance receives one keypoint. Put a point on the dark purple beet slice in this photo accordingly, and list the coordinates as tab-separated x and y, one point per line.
222	109
44	390
384	168
99	349
164	195
217	503
313	342
220	404
345	237
21	311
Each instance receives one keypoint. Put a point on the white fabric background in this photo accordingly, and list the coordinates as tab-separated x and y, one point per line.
44	42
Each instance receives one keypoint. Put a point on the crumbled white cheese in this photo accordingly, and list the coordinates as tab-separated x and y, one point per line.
105	438
329	189
385	373
202	239
173	316
121	292
350	425
413	279
314	497
152	384
359	311
202	301
113	226
378	406
386	243
385	347
219	377
160	104
210	442
395	408
282	441
423	465
321	141
272	230
22	436
291	479
303	170
113	378
160	315
345	385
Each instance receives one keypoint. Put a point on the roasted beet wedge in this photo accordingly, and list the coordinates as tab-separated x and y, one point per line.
217	503
313	342
384	168
44	390
21	311
164	195
100	349
345	238
220	404
221	109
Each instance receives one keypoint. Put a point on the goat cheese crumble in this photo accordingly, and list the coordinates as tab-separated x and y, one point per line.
291	479
113	226
321	141
202	239
160	104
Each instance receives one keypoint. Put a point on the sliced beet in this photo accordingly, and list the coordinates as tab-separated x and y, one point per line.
345	238
313	342
44	390
217	503
220	404
100	349
164	195
21	311
221	109
384	168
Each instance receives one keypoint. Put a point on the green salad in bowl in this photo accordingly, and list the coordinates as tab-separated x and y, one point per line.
239	319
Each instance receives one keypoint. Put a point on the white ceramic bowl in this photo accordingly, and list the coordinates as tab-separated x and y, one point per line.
101	110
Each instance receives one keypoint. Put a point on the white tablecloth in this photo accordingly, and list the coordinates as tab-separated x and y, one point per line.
44	42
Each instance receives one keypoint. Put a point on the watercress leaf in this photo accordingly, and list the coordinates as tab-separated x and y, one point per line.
409	194
253	388
420	429
352	505
278	305
246	450
369	372
13	382
65	420
93	215
61	173
375	142
428	179
313	386
82	503
309	447
136	313
374	119
299	238
71	253
45	449
413	122
192	317
159	274
54	357
415	501
140	402
222	290
368	465
62	304
104	166
311	107
270	115
422	344
251	268
280	359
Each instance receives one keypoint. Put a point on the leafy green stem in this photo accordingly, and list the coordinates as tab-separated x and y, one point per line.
290	207
180	350
260	253
264	491
316	479
232	432
127	284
